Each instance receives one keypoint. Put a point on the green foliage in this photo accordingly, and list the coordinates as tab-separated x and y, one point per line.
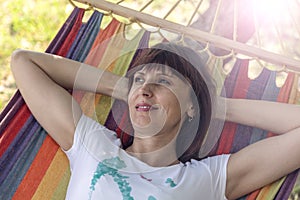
30	24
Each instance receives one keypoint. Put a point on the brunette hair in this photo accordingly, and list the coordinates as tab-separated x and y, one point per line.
190	65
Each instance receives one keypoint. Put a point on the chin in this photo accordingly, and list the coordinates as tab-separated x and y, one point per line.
145	130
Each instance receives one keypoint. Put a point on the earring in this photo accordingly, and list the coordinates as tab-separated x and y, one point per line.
191	119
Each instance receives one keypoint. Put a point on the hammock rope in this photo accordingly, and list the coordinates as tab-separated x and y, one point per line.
217	13
210	39
195	12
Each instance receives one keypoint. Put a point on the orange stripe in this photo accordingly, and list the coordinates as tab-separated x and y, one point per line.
37	170
52	177
253	195
97	51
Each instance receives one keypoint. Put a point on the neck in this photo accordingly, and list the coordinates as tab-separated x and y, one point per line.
157	151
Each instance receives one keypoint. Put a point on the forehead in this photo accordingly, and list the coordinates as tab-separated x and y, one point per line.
155	68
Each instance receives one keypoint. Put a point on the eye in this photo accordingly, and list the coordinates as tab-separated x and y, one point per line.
138	79
164	81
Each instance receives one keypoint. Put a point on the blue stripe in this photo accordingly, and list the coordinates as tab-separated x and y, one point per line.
85	37
270	94
256	90
26	146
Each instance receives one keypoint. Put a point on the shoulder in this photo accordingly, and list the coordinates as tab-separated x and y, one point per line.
86	126
218	161
215	166
209	173
86	123
91	135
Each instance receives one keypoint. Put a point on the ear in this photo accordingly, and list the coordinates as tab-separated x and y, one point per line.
191	111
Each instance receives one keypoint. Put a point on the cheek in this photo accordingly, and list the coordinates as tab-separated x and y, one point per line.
179	103
131	96
171	103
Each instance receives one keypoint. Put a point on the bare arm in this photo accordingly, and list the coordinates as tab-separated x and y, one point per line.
271	116
270	159
43	80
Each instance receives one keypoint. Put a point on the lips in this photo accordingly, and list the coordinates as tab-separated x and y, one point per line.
144	107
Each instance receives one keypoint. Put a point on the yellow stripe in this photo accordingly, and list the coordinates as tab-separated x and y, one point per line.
61	189
107	62
215	67
120	67
269	192
52	177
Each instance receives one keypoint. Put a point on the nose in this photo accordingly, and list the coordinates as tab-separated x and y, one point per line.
146	90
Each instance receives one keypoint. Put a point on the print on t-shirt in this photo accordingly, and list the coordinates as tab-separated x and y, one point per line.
111	168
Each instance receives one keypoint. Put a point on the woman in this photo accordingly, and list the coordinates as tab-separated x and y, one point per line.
168	97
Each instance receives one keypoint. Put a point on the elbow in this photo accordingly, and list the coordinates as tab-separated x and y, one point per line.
17	57
18	64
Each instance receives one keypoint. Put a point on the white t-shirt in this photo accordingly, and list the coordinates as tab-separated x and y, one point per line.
100	169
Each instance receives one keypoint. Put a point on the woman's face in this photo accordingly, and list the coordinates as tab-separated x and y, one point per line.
158	101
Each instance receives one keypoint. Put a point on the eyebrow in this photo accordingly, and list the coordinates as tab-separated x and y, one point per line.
158	73
172	75
141	73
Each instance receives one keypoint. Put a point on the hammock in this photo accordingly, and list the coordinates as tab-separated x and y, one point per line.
32	166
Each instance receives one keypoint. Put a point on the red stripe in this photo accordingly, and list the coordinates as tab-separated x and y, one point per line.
285	90
240	91
63	50
125	126
226	138
242	82
13	128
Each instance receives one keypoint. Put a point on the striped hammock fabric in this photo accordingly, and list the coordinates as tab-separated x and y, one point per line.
235	136
32	166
